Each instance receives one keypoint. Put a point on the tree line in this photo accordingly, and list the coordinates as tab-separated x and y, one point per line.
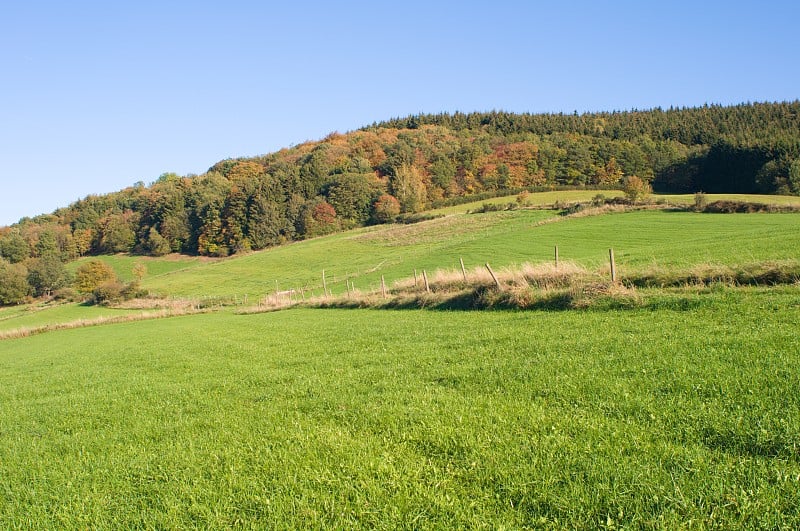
406	165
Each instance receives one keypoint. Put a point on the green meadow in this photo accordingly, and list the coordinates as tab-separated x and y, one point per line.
640	239
679	411
682	413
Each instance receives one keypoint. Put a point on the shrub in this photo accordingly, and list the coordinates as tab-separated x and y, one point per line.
636	188
106	292
66	295
700	201
92	274
599	200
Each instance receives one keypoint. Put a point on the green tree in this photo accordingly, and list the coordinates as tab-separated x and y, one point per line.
156	244
409	188
117	233
46	274
351	195
14	287
14	248
794	177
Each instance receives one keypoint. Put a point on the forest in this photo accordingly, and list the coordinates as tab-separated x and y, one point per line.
404	166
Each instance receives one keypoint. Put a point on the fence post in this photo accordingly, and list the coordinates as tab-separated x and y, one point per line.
324	285
415	279
613	265
556	256
383	287
427	286
494	277
463	269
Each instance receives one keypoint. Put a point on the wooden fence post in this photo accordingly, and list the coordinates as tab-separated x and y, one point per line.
463	269
383	287
556	256
415	279
324	285
494	277
613	265
427	286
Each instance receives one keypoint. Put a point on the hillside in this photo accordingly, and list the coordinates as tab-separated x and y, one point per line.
398	169
645	242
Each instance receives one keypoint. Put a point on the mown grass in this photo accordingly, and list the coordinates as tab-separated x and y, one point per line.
680	413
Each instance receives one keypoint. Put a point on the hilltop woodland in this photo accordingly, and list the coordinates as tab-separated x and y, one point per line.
404	166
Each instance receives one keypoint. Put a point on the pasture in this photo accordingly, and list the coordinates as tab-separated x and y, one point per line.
681	413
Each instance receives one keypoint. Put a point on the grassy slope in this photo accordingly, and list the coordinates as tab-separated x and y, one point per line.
123	264
34	316
640	239
686	411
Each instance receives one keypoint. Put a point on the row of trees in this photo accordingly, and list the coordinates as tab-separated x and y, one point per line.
46	276
407	165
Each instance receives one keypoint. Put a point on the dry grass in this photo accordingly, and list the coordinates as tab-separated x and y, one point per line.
82	323
546	286
158	304
429	231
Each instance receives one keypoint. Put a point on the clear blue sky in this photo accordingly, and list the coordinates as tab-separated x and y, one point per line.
95	96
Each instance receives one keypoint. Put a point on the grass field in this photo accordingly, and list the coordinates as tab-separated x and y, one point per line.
123	264
682	413
34	316
640	239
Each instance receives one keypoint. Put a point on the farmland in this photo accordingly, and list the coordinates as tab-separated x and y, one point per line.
679	411
684	411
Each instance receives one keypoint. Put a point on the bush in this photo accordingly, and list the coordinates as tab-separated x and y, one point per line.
91	275
66	295
636	189
133	290
107	292
700	201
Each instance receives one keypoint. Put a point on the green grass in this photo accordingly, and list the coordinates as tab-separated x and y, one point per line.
641	239
683	413
688	199
123	264
535	199
32	316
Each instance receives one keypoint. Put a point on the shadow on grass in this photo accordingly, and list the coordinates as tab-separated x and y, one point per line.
751	444
490	299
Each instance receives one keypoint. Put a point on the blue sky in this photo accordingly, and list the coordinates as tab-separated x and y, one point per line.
96	96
